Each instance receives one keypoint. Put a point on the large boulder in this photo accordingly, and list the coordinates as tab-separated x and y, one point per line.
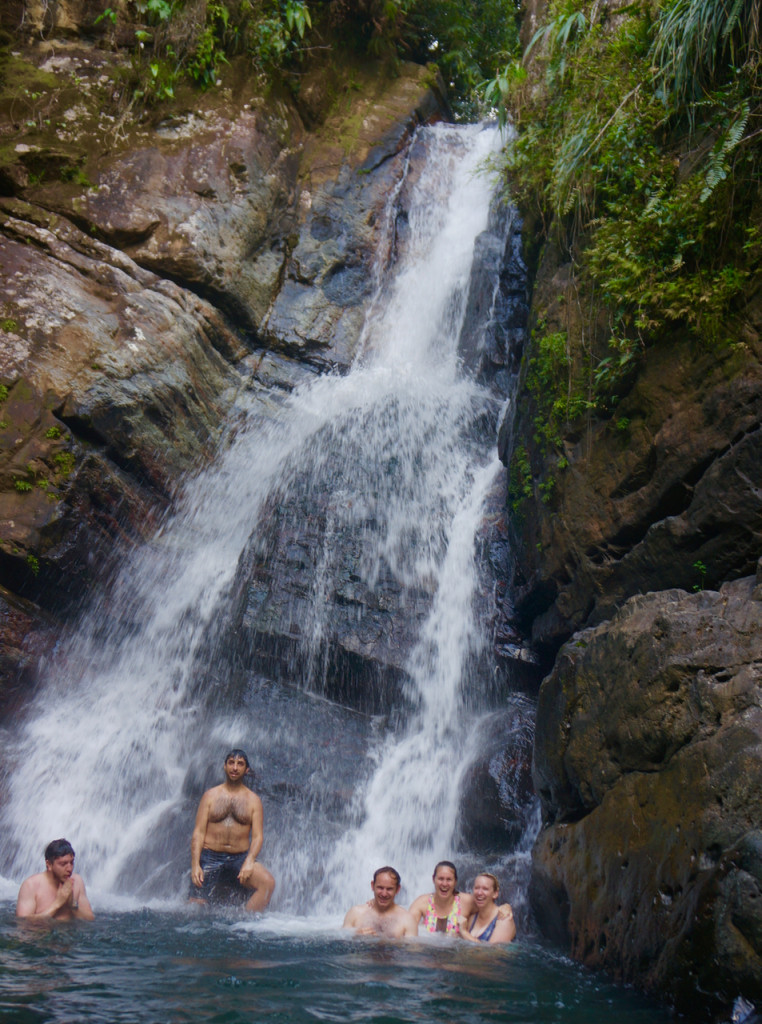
648	763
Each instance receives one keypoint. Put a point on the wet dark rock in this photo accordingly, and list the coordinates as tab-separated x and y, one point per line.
284	582
648	764
665	494
496	314
497	792
25	636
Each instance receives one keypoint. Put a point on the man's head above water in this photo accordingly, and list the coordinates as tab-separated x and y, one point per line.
58	848
233	754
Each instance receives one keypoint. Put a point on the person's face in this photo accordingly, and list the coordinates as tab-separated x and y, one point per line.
235	768
62	867
484	890
444	881
385	888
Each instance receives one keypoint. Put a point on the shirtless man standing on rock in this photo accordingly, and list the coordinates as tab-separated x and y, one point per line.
227	838
382	916
55	894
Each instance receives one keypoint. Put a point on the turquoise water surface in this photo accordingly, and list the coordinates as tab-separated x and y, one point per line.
176	966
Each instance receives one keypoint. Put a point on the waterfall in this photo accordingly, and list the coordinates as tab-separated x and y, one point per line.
118	739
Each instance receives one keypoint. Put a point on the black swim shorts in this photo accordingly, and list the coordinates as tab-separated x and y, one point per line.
220	877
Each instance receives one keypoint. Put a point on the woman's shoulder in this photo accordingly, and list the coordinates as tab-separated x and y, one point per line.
420	903
466	902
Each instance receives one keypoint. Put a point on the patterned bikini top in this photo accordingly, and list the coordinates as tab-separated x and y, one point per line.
430	916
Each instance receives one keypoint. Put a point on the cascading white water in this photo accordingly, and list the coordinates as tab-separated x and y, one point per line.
105	747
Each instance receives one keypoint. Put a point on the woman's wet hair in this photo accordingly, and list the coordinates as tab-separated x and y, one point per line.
388	871
446	864
58	848
494	878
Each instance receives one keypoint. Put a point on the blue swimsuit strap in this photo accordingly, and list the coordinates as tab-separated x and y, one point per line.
486	935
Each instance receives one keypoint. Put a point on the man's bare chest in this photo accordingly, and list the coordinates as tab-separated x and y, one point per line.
382	924
231	810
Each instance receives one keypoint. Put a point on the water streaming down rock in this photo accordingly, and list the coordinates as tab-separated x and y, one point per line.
331	546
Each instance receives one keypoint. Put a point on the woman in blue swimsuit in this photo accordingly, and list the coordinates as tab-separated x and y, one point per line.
485	925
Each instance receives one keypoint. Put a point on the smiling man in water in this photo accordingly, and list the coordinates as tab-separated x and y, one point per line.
227	839
382	916
55	894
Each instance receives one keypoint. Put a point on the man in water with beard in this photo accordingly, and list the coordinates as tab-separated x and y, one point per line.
227	839
55	894
382	916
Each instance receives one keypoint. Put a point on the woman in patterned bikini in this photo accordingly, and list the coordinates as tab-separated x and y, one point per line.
486	924
439	911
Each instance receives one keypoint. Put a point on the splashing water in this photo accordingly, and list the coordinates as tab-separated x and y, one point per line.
107	745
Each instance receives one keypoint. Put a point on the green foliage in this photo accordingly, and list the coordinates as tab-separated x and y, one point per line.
3	391
157	11
64	462
33	564
298	17
697	41
108	15
52	433
22	486
639	151
546	488
181	46
559	384
702	570
468	40
76	176
497	92
205	61
9	325
519	478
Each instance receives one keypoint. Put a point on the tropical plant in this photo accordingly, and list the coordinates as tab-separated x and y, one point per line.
639	149
697	42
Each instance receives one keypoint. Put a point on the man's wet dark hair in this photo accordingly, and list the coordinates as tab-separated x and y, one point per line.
237	753
58	848
388	871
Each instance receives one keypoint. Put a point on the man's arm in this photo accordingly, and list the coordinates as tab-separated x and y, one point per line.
26	904
81	904
350	919
197	839
27	900
257	827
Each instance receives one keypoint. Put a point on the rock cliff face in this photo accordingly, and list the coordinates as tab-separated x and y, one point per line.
632	569
648	762
146	271
664	494
647	754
